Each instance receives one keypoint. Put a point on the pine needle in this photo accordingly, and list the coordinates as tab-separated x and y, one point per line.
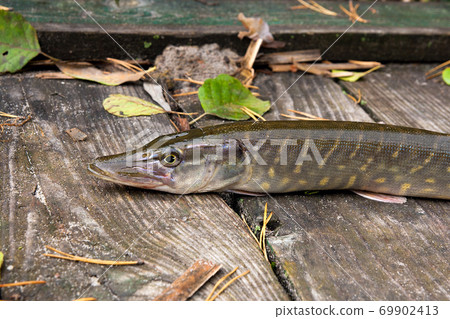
86	299
185	94
201	83
8	115
317	7
219	282
252	113
353	15
429	73
250	231
23	283
197	118
227	284
306	114
89	260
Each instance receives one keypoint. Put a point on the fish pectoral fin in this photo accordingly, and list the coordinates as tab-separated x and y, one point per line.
245	193
381	197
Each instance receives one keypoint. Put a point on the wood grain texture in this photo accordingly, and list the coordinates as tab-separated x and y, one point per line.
47	197
338	246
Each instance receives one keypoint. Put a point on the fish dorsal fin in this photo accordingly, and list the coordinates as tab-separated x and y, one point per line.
384	198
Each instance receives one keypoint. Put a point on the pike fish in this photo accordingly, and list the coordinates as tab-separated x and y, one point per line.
374	160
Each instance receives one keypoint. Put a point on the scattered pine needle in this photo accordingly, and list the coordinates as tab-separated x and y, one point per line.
23	283
357	101
197	118
248	227
352	14
262	235
307	115
86	299
18	121
315	7
209	298
8	115
89	260
185	94
252	113
430	74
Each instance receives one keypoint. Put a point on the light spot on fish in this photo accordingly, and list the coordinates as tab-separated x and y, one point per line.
429	158
341	167
430	180
333	148
364	167
351	181
405	187
355	151
448	169
265	186
276	160
380	180
395	154
415	169
393	169
285	180
428	190
298	169
324	181
271	172
302	182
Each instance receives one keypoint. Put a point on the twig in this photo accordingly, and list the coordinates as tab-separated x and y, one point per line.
429	73
23	283
201	83
89	260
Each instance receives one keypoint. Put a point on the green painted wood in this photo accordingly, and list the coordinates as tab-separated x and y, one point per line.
194	13
397	32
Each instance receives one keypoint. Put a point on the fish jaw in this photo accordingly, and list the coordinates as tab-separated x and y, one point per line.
115	169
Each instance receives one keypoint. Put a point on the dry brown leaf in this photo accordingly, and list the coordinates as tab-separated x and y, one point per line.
87	71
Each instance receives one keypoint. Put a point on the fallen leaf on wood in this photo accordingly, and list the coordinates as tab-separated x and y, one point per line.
189	282
18	43
76	134
126	106
87	71
225	96
156	92
446	76
355	76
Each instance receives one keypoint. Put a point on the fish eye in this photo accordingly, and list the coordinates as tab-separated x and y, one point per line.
171	158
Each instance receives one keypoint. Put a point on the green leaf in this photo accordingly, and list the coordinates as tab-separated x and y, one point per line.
356	75
18	42
446	76
224	97
126	106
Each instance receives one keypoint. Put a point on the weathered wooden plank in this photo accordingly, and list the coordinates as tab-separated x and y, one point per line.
335	245
397	32
400	94
47	197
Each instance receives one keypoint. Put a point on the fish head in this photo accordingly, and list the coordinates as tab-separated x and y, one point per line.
177	163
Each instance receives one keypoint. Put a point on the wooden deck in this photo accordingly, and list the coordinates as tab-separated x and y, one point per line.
325	246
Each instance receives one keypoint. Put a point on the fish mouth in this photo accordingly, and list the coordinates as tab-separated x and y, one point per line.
103	171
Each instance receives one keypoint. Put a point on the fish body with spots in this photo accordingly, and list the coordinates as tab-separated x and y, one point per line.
287	156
